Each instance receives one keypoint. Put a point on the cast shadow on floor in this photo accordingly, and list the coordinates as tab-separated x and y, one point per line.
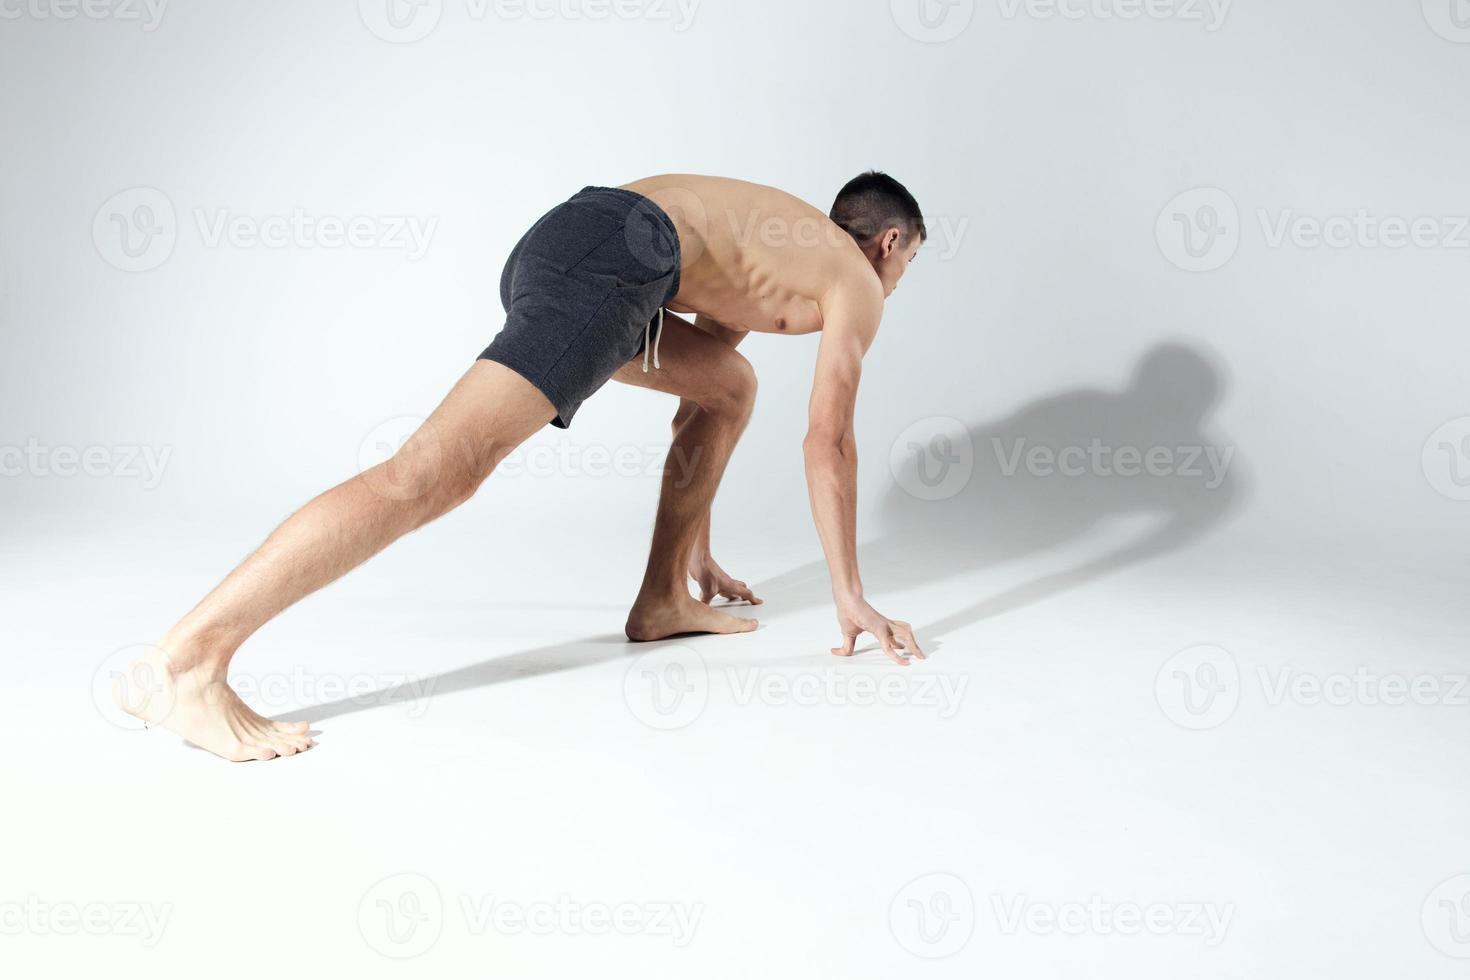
1018	502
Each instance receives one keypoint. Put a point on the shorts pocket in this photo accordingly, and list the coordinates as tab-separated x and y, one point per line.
570	234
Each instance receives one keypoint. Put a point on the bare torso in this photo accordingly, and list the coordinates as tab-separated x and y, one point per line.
754	257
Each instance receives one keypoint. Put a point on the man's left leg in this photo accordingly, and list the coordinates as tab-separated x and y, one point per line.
182	684
721	382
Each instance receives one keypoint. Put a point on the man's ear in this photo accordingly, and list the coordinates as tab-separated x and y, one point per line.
889	242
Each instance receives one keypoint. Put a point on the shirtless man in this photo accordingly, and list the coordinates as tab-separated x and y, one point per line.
585	293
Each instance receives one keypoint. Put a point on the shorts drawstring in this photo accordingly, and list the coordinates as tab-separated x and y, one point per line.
657	336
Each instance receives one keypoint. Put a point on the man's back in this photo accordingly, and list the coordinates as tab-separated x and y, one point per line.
754	257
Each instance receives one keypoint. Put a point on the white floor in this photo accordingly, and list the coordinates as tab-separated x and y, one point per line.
536	798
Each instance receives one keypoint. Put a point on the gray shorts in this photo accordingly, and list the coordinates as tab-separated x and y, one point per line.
579	290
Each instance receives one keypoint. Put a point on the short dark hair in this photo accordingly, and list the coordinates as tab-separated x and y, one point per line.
873	201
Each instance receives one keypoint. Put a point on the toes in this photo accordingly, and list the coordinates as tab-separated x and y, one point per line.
738	625
293	727
288	744
238	752
282	746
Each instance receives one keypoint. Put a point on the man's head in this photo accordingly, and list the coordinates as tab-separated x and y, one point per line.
884	219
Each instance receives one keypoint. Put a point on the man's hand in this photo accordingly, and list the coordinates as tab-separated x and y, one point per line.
714	581
855	617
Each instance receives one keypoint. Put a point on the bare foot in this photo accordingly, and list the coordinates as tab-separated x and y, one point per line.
655	619
196	703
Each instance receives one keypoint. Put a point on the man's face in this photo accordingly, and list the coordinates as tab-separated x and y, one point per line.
893	254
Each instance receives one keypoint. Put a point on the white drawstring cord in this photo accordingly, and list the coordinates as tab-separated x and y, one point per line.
656	338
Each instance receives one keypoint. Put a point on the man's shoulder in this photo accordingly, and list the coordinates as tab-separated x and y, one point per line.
854	294
855	283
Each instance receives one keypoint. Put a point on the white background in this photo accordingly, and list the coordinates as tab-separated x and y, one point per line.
1053	304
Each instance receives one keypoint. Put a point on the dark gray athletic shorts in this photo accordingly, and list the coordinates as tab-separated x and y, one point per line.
580	290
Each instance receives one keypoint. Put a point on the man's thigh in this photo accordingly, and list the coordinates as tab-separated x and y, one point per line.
693	365
486	415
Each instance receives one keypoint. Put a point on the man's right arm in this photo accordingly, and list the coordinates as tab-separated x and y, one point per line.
850	322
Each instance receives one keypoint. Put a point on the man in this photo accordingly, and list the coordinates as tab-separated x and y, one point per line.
585	293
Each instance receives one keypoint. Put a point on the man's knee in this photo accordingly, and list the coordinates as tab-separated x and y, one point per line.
457	485
734	392
432	473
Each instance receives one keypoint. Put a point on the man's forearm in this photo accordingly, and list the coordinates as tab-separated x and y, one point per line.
831	479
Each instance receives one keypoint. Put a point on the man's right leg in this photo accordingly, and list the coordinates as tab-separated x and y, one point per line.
717	379
182	684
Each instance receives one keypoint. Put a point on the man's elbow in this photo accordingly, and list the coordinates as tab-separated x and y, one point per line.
827	446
